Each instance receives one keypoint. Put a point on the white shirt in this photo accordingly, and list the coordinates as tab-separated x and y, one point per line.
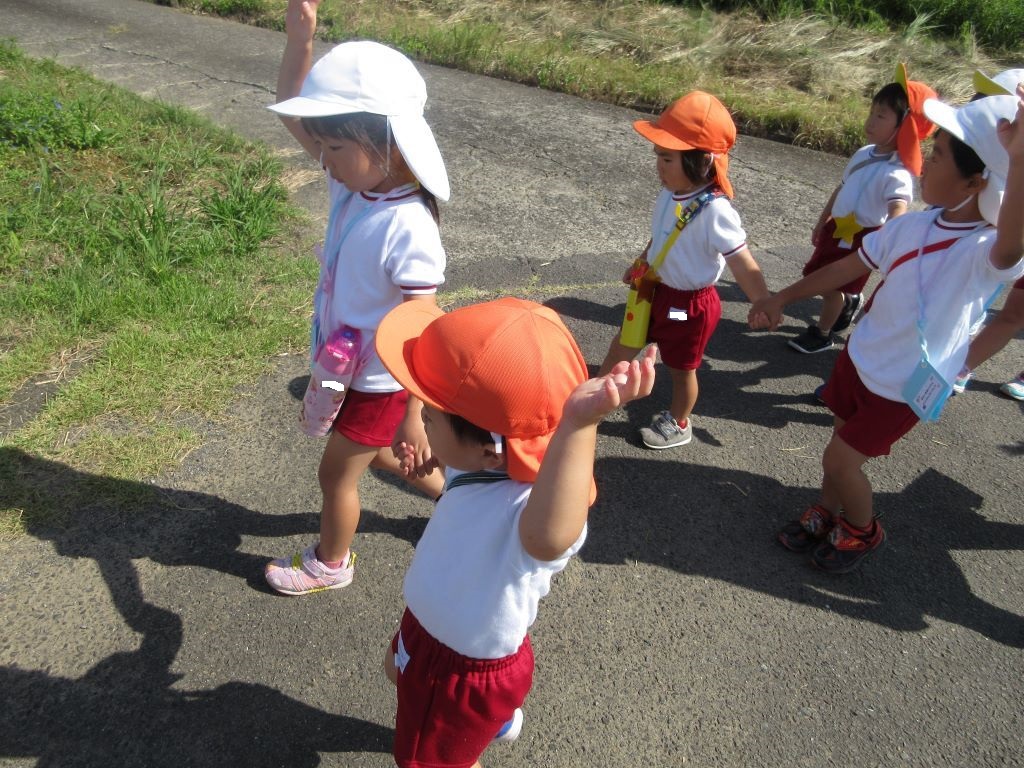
471	584
870	182
390	247
697	258
956	281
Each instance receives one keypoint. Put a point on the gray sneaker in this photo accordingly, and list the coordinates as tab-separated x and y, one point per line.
665	432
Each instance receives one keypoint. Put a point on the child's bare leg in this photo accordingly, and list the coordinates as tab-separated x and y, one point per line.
831	307
994	336
844	484
431	485
389	666
616	351
343	463
684	393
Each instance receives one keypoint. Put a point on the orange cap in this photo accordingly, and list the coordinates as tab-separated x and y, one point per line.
915	127
506	366
696	121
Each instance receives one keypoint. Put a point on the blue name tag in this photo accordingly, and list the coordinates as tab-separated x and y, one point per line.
926	391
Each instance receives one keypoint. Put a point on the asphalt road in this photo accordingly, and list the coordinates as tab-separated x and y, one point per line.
682	635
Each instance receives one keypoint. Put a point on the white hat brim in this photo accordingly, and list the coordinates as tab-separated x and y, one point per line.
416	142
944	116
303	106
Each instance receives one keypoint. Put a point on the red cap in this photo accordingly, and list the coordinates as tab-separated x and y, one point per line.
696	121
506	366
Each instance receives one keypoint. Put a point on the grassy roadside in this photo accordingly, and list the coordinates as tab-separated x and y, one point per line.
800	78
143	275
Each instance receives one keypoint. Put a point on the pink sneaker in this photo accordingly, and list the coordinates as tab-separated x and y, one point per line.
303	573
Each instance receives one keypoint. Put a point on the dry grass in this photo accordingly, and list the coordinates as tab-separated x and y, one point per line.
803	79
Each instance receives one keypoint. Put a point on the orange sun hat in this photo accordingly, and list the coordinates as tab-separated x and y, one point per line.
915	127
506	366
696	121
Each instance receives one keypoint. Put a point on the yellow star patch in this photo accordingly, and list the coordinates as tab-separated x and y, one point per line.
847	227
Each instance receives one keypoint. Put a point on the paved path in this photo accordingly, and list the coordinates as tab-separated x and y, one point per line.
681	636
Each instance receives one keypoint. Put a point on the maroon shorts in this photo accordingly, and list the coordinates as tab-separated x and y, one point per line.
829	251
682	342
873	423
1019	285
371	418
449	705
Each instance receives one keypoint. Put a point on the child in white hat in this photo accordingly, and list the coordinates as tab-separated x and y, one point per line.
1010	320
359	113
938	268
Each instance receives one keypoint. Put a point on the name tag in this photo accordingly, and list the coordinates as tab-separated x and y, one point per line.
676	314
926	392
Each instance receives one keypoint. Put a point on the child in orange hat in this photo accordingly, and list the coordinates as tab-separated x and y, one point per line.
512	420
695	233
877	185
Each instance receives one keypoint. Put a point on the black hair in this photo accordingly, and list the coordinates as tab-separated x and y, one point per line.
966	159
894	97
371	132
467	431
699	166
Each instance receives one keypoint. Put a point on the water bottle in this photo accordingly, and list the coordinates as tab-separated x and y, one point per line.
339	355
333	371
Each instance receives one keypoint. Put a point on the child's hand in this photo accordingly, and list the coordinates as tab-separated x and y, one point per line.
406	455
765	313
300	19
592	400
1011	135
411	448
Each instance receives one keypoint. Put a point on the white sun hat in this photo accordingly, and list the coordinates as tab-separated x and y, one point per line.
365	76
975	125
1003	84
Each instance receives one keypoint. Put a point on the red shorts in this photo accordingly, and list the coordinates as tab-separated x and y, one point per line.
371	418
1019	285
873	423
830	252
682	342
450	706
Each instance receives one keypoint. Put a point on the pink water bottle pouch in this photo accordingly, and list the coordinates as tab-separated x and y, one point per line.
332	373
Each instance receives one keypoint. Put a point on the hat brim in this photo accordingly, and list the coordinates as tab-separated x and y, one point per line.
396	340
985	85
304	106
416	141
660	136
944	116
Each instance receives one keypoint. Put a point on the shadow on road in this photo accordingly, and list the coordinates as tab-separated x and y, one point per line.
124	711
721	524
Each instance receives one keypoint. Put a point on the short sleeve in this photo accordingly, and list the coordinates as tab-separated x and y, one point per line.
415	256
899	185
725	230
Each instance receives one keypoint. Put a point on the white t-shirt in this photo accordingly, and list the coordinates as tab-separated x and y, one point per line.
697	257
956	281
870	182
390	247
471	584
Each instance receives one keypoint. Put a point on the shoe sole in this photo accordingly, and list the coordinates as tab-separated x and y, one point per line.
312	590
681	443
793	345
853	566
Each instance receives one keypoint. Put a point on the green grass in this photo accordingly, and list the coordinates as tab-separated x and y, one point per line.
800	77
147	265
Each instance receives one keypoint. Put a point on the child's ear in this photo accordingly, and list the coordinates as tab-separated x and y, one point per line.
978	182
492	459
